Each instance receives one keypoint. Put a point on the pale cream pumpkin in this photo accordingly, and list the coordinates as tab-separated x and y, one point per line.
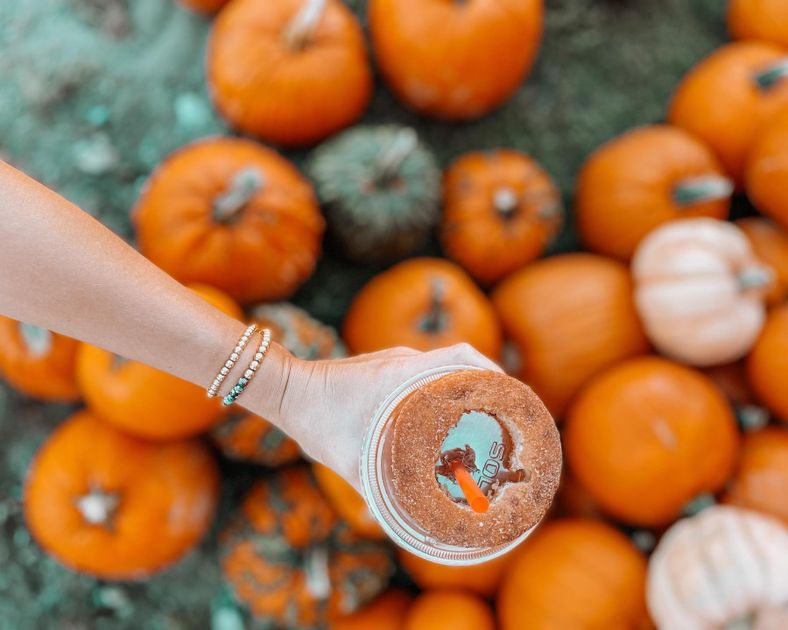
723	568
700	291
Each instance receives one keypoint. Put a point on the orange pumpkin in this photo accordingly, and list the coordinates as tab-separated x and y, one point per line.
289	71
762	479
203	6
501	210
144	401
250	438
449	610
347	503
759	19
767	364
422	303
728	98
575	573
648	436
37	362
770	244
117	507
642	179
767	169
455	60
568	317
482	579
232	214
387	612
291	562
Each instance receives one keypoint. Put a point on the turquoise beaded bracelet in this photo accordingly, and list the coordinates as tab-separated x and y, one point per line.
242	383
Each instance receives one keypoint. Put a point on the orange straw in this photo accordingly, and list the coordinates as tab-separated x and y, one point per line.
473	493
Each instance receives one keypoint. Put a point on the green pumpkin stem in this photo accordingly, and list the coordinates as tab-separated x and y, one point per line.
98	507
318	581
390	158
505	202
301	30
37	340
435	320
774	73
755	277
245	185
701	189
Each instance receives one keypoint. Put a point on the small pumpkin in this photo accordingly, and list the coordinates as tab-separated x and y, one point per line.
501	210
767	364
117	507
574	573
233	214
724	567
762	478
37	362
455	60
203	6
290	561
291	72
642	179
144	401
568	318
648	436
767	168
728	97
766	20
449	610
349	505
422	303
247	437
380	188
482	579
386	612
770	244
700	291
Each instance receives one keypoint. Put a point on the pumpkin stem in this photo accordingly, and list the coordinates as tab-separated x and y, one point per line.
701	189
37	340
98	507
752	417
390	158
244	186
505	201
318	581
746	622
767	78
755	277
435	320
300	31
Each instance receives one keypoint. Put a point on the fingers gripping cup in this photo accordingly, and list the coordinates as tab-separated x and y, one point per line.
460	464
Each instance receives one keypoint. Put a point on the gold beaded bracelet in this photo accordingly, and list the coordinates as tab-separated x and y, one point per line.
230	363
240	386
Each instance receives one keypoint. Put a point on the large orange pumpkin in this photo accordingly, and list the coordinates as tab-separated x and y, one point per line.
37	362
455	60
761	482
642	179
422	303
770	244
117	507
501	210
232	214
569	317
449	610
575	573
387	612
347	502
145	401
759	19
482	579
767	364
289	71
767	168
729	96
648	436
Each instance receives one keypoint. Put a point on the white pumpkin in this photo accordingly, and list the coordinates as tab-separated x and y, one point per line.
723	568
700	291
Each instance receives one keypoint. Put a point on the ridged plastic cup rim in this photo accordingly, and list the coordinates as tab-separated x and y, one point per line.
380	504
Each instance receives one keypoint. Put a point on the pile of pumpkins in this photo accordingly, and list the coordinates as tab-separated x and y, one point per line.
662	351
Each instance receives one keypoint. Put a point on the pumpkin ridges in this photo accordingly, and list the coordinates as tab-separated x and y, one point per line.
767	363
767	170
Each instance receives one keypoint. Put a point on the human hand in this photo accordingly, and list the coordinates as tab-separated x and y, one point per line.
328	404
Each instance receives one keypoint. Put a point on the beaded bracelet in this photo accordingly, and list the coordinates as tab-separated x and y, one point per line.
230	363
240	386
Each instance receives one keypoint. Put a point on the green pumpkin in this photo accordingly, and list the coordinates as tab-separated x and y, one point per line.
380	188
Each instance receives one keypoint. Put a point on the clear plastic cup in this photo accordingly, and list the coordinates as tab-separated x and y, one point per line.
379	493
